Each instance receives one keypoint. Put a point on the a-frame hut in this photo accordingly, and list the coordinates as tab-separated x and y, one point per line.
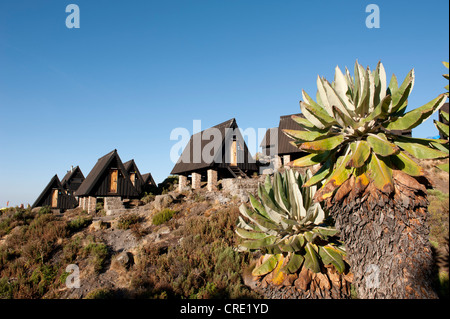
149	183
72	180
108	179
55	196
276	143
135	176
215	153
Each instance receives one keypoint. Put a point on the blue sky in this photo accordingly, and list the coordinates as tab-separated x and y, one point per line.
135	70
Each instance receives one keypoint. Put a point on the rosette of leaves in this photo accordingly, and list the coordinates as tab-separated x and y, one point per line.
353	130
289	228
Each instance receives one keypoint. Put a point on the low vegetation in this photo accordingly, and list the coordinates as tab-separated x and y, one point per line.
203	265
163	216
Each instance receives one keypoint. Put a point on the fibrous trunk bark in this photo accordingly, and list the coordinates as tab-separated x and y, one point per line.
386	238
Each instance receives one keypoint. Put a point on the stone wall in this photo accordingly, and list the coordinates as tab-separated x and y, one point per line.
241	187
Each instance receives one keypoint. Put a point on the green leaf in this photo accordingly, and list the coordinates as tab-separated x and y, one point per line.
445	115
381	174
401	95
306	124
417	116
330	255
442	127
247	234
294	263
318	112
302	135
404	163
325	144
257	206
381	111
311	259
443	167
381	145
360	153
321	174
421	151
325	231
267	266
311	159
259	243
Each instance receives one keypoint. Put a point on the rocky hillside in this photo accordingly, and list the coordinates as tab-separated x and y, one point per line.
166	246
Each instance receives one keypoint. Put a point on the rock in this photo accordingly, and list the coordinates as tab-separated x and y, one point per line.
125	259
98	224
163	230
162	201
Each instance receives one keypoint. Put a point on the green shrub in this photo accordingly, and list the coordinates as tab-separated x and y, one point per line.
79	223
126	221
147	198
163	216
101	293
99	253
45	210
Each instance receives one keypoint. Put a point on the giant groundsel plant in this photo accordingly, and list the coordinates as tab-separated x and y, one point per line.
353	130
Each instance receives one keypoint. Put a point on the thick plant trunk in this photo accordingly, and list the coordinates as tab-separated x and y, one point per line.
386	237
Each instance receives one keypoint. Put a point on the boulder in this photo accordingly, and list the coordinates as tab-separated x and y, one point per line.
125	259
162	201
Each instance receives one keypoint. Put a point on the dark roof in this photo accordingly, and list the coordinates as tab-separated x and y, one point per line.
186	164
284	145
131	166
188	152
69	175
54	183
148	179
96	173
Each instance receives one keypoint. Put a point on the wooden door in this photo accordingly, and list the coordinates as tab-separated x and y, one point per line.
233	161
114	174
133	178
55	198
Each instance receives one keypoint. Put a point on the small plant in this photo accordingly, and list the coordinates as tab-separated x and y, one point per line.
99	253
125	222
79	223
101	293
163	216
44	210
148	197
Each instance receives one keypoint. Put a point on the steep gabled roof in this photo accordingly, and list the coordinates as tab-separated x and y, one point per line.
188	152
96	173
284	145
148	179
69	175
131	165
54	183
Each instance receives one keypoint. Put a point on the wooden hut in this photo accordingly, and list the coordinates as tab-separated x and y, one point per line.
276	143
55	196
108	179
72	180
215	153
135	176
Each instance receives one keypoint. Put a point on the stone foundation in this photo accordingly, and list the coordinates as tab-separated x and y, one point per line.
113	205
212	180
91	204
196	180
286	159
182	183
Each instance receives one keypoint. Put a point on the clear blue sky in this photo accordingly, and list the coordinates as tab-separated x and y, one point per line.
137	69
